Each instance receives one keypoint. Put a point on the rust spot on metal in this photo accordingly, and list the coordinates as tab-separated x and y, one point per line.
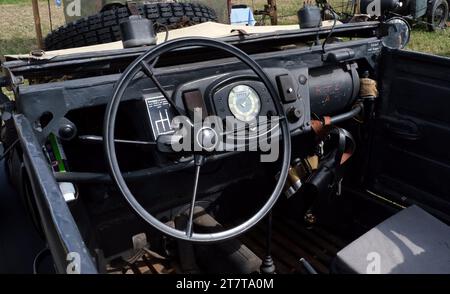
321	127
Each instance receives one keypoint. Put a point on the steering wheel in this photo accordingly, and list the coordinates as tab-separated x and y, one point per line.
142	64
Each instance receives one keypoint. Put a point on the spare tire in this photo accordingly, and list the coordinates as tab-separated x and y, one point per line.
103	27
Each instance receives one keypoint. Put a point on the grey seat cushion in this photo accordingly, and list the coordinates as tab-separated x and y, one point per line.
410	242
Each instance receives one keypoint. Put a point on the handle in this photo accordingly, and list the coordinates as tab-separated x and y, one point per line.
404	129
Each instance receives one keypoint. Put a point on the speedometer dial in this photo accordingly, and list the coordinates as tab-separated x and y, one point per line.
244	103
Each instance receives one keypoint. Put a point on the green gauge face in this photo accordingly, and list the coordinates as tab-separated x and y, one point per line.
244	103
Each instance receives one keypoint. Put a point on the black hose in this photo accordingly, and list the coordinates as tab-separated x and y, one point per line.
7	150
347	115
332	28
90	178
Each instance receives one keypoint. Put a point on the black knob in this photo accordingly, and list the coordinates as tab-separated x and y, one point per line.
294	114
302	79
67	132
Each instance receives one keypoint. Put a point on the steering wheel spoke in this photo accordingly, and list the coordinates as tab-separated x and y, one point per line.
248	138
198	161
148	71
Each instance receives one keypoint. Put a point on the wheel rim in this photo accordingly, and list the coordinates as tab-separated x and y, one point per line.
439	16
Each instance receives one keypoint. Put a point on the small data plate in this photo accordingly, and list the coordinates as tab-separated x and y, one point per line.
161	115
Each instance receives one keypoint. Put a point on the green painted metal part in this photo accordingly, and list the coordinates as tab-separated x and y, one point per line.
90	7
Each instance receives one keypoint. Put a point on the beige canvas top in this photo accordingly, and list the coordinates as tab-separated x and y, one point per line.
207	29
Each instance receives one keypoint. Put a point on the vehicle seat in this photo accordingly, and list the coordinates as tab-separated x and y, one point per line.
410	242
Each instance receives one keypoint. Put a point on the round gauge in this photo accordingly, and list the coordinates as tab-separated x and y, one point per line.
244	103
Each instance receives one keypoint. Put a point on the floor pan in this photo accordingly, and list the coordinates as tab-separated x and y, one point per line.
291	242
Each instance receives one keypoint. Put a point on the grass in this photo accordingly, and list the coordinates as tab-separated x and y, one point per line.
429	42
421	40
17	33
2	2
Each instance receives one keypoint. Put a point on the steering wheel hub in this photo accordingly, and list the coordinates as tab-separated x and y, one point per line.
207	139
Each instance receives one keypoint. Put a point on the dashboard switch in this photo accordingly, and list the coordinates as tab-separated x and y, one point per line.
294	114
286	88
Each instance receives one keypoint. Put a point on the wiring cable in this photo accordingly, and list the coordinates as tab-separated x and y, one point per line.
39	258
5	153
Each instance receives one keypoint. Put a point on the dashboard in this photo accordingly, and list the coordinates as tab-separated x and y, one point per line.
239	95
306	85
